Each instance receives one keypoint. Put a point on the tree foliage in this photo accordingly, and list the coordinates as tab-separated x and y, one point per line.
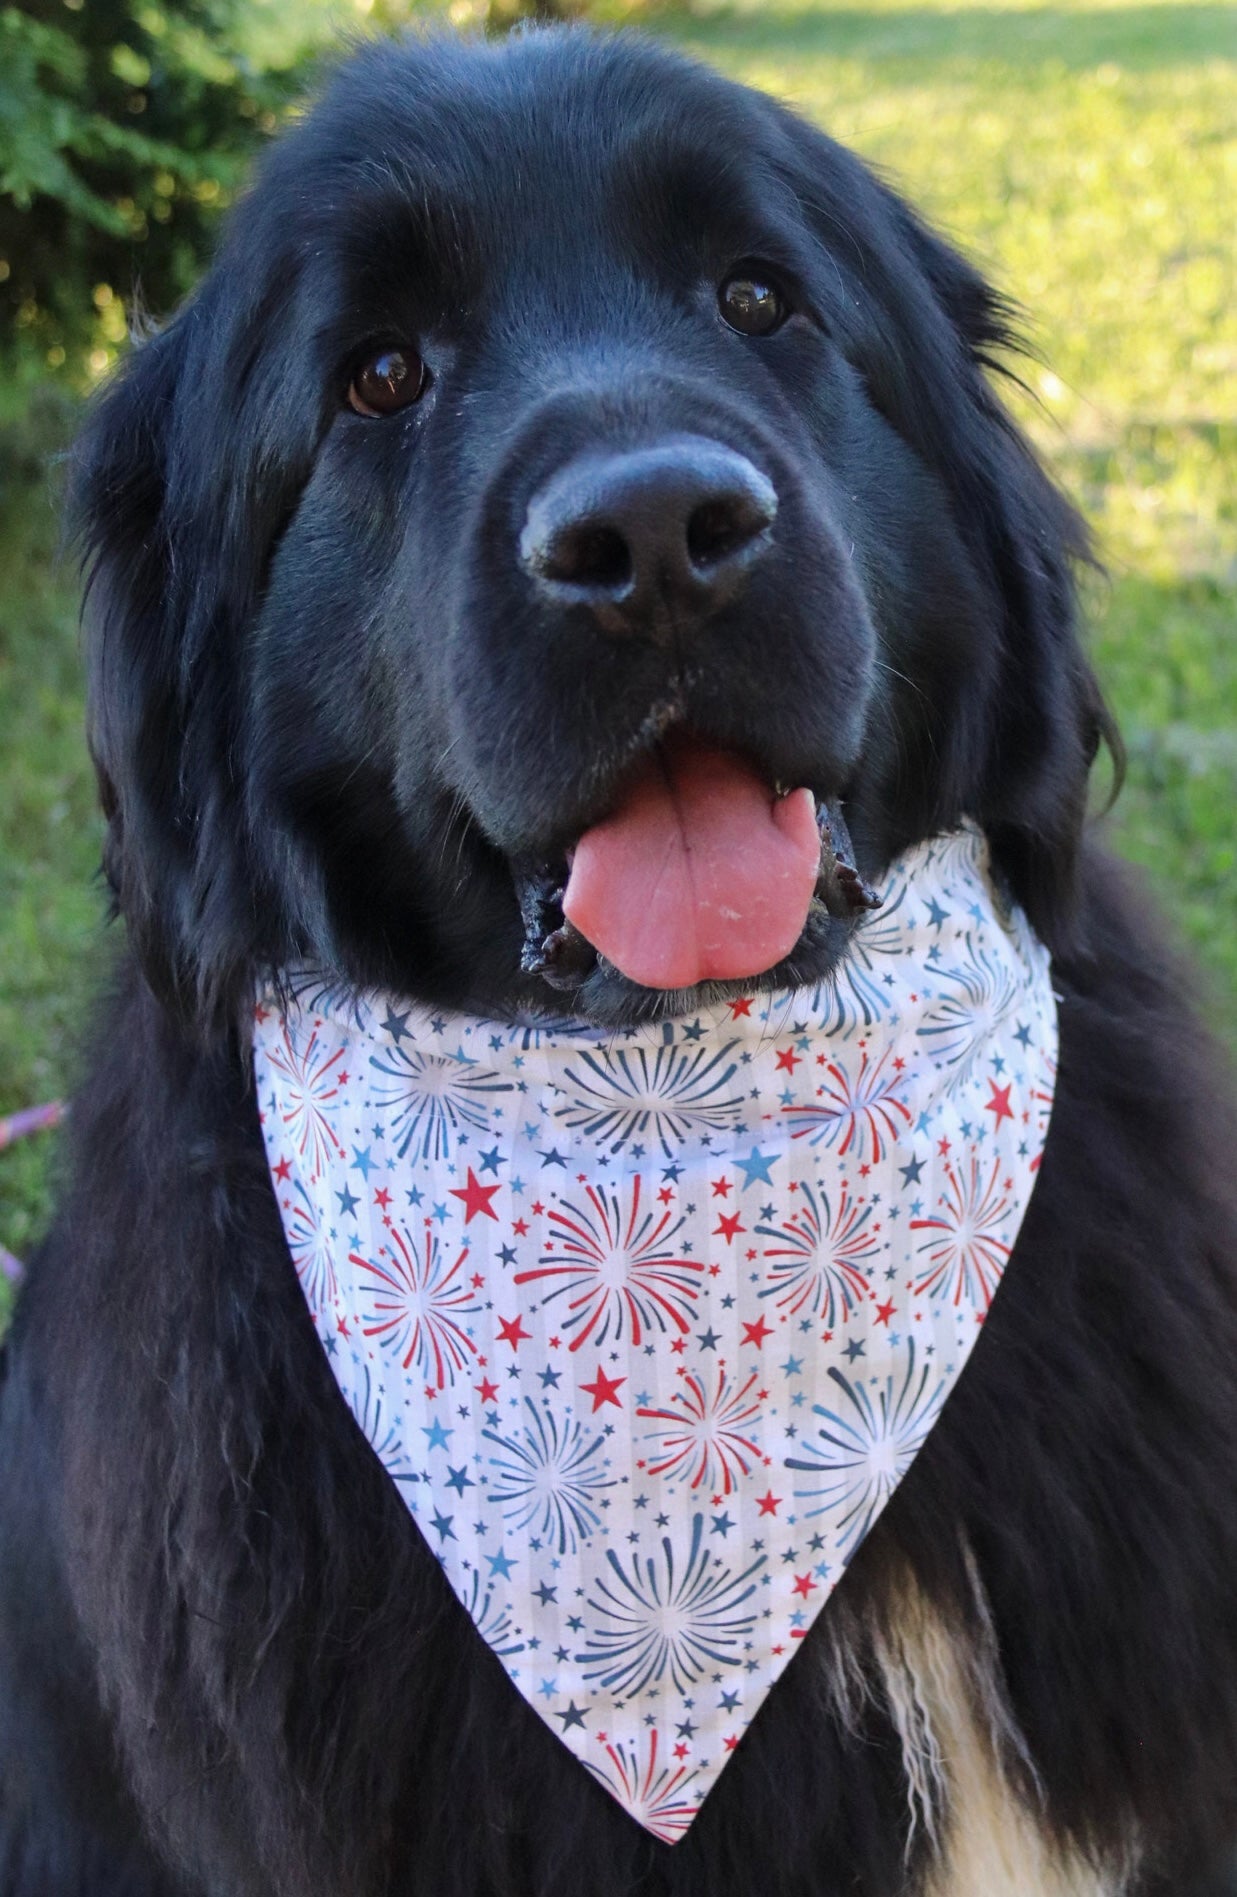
124	125
127	125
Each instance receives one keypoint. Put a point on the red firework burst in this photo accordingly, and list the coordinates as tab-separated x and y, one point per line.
417	1300
966	1256
861	1112
311	1086
705	1438
818	1262
654	1797
616	1267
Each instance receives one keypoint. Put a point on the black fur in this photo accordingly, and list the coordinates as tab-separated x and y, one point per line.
328	717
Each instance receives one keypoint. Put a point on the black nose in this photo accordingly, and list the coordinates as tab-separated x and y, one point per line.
649	537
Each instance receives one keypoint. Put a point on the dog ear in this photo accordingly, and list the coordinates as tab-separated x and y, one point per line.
1047	716
180	484
929	335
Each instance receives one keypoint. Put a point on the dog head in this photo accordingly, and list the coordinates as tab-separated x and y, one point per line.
562	426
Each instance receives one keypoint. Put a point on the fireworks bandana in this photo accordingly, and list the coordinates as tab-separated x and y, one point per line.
648	1324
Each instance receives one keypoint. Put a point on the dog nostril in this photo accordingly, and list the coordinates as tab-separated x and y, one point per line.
718	528
589	556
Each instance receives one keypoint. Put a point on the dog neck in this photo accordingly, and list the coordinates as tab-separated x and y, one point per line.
647	1324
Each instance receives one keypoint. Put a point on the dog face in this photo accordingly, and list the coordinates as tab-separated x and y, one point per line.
552	408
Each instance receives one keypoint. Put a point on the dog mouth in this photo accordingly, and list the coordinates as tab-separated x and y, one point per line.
702	872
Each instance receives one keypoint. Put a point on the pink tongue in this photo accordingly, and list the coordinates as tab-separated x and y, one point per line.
701	874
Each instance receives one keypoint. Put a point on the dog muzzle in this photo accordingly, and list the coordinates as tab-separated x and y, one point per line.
648	1324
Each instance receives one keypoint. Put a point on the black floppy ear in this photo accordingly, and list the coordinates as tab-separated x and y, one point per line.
926	333
1047	716
181	481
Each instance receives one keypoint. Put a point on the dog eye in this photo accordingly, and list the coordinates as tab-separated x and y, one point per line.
751	304
389	381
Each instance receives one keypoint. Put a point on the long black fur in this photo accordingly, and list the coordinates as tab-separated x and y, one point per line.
327	718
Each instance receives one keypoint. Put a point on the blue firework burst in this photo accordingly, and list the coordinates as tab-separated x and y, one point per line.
866	1446
854	995
665	1093
323	991
431	1096
550	1473
491	1619
674	1618
981	992
385	1436
309	1242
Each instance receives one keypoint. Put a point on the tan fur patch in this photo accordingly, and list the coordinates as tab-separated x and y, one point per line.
943	1689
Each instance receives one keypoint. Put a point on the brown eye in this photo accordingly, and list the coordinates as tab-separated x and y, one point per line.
752	305
389	381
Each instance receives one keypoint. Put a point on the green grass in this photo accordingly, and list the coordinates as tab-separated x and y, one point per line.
1086	155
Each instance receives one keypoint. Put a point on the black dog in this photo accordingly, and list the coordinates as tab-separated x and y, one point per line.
358	674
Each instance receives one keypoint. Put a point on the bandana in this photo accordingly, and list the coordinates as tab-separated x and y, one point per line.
647	1324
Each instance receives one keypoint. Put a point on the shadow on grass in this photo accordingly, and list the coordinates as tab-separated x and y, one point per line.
1136	39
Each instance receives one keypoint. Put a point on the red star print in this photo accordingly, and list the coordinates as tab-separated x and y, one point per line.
942	1147
665	1195
727	1227
883	1313
487	1391
282	1170
733	1741
680	1750
999	1103
721	1188
520	1227
757	1332
342	1327
511	1330
769	1503
604	1390
788	1060
538	1208
383	1199
742	1006
803	1585
476	1198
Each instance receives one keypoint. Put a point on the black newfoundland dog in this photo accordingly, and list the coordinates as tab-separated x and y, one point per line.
356	664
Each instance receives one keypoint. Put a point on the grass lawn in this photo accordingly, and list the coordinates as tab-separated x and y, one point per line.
1086	155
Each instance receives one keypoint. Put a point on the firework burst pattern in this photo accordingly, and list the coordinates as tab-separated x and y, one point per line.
670	1615
706	1436
310	1073
654	1790
980	990
613	1263
312	1248
413	1302
431	1098
864	1446
549	1476
820	1262
968	1250
860	1107
647	1324
663	1093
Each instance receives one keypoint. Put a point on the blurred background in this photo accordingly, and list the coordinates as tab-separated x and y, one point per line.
1084	153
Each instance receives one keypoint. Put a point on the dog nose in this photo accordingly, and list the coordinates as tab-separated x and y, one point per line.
649	536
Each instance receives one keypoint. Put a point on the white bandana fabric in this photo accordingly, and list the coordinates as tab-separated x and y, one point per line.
648	1324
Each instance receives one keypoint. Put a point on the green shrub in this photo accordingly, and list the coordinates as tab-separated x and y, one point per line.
124	125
